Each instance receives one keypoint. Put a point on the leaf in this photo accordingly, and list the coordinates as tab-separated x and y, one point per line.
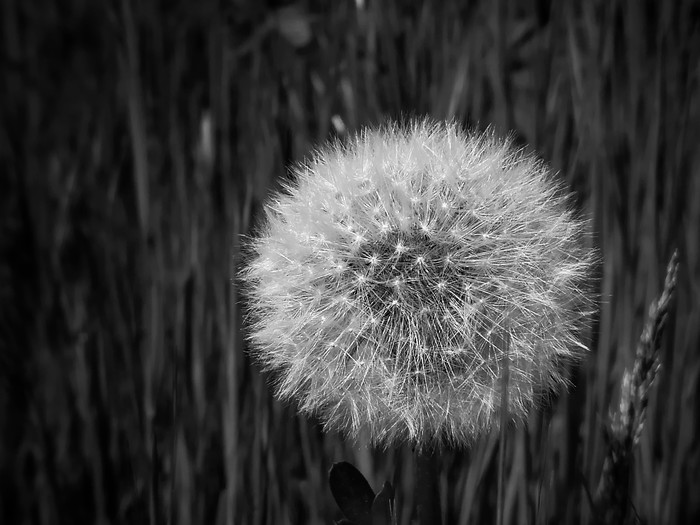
352	493
381	507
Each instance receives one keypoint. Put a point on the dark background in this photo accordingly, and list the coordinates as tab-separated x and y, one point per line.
138	140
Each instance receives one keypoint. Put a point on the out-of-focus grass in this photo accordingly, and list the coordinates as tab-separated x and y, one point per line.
138	140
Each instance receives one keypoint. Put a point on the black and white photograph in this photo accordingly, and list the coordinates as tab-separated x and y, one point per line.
349	262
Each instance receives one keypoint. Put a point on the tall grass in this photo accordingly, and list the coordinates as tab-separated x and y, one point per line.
138	140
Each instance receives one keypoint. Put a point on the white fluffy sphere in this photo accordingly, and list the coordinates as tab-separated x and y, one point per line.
393	281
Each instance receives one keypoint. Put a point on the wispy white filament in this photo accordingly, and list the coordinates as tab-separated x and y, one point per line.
384	278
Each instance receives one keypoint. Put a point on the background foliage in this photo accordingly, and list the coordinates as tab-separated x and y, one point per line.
138	140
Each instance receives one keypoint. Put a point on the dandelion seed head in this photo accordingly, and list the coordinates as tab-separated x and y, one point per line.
437	258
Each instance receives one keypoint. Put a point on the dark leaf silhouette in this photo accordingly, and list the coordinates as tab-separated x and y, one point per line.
352	493
381	507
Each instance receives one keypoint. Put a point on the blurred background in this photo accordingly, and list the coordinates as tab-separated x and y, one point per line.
138	140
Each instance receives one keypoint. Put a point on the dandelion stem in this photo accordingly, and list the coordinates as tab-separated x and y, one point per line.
426	493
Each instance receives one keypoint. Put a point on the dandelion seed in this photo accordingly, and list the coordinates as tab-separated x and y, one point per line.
418	352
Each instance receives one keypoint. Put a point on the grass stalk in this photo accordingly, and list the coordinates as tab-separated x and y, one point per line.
503	426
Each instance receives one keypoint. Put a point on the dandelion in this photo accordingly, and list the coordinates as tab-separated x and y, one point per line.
404	274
